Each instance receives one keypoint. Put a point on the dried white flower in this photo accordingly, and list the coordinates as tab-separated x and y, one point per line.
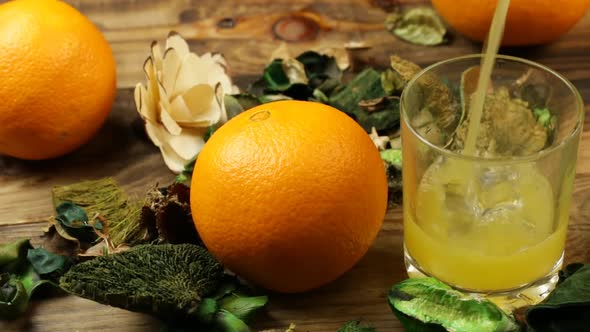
380	141
183	97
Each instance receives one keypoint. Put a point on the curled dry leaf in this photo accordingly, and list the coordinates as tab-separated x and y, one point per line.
419	25
168	211
340	54
183	96
379	141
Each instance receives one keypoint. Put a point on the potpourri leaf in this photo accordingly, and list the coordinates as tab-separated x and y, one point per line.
508	127
74	220
418	25
14	299
431	301
23	270
165	280
367	86
567	308
167	213
177	283
393	169
236	104
103	197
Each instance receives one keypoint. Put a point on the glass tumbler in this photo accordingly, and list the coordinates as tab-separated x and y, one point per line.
492	223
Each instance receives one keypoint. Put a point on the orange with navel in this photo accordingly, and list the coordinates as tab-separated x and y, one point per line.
289	195
57	81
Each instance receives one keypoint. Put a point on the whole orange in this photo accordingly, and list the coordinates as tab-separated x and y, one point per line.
529	22
57	81
289	195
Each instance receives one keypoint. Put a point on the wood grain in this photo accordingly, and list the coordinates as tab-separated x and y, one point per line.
243	31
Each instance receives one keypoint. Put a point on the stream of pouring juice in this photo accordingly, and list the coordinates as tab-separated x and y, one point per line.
479	228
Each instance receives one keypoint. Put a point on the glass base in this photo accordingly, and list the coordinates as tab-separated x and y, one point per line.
507	300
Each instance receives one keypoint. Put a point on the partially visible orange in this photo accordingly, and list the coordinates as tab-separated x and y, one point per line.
57	79
529	22
289	195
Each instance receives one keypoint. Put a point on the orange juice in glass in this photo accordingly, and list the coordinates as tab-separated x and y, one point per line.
493	223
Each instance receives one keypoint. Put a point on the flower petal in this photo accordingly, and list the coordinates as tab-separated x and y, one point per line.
144	104
187	144
220	103
193	71
174	162
176	42
137	96
169	123
155	133
196	100
204	105
170	67
152	86
156	56
220	59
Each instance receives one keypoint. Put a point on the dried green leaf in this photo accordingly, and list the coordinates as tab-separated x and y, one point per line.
14	299
419	25
365	86
569	271
532	87
392	82
508	127
319	68
297	91
74	220
257	87
243	307
46	263
431	301
392	156
55	239
295	71
329	86
437	98
186	173
207	310
544	117
238	103
392	20
404	68
275	77
393	169
567	308
230	323
11	253
296	78
20	278
165	280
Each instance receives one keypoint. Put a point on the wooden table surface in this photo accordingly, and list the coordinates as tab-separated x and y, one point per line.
243	31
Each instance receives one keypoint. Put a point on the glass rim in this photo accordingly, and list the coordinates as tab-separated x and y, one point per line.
509	159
